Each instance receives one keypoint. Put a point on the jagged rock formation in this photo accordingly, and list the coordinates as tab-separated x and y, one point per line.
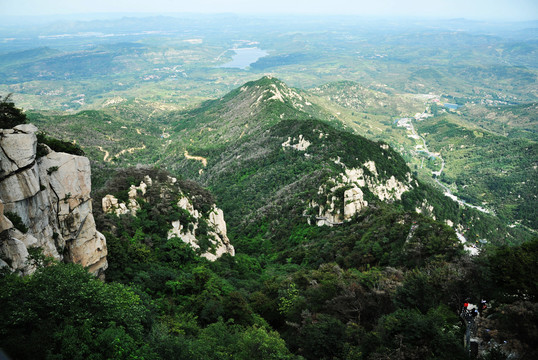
51	195
218	235
188	229
344	196
112	205
301	145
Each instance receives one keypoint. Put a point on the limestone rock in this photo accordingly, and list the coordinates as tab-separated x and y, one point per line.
5	223
223	245
20	185
89	247
220	243
216	232
14	249
354	202
216	229
112	205
148	180
185	203
391	189
28	240
187	236
69	176
301	145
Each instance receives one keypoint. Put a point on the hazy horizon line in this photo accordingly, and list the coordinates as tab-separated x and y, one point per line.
122	14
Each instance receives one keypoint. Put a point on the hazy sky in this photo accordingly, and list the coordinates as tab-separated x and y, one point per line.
470	9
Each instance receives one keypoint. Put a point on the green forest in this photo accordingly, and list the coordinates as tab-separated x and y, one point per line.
359	291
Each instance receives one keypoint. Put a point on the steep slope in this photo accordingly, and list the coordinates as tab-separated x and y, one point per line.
260	144
45	202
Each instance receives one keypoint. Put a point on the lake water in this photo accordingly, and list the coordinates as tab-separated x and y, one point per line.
244	57
451	106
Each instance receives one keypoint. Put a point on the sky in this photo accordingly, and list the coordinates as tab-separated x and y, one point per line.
513	10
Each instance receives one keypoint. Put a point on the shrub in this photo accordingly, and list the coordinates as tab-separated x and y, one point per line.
59	145
52	169
17	221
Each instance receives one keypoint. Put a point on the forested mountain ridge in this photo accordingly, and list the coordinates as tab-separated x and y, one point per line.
262	144
386	278
484	154
187	140
190	212
270	187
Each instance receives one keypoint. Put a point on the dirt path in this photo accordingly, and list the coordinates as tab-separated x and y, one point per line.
108	158
130	151
107	154
199	158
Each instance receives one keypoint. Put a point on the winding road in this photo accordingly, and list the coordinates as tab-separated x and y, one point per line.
437	174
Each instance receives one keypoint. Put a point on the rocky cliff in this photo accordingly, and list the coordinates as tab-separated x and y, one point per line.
45	202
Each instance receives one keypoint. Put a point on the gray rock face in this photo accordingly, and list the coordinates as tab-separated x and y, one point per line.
51	195
20	185
18	147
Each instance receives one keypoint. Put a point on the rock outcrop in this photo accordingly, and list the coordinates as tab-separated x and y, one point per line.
220	243
50	195
344	195
188	231
300	144
112	205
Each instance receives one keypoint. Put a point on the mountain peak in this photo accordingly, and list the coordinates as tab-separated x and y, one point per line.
246	110
265	81
267	89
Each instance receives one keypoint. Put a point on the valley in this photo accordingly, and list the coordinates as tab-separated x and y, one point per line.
422	152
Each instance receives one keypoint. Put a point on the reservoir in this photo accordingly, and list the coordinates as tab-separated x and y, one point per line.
452	106
244	57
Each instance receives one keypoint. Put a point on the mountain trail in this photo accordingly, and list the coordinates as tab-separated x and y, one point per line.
130	150
107	154
199	158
